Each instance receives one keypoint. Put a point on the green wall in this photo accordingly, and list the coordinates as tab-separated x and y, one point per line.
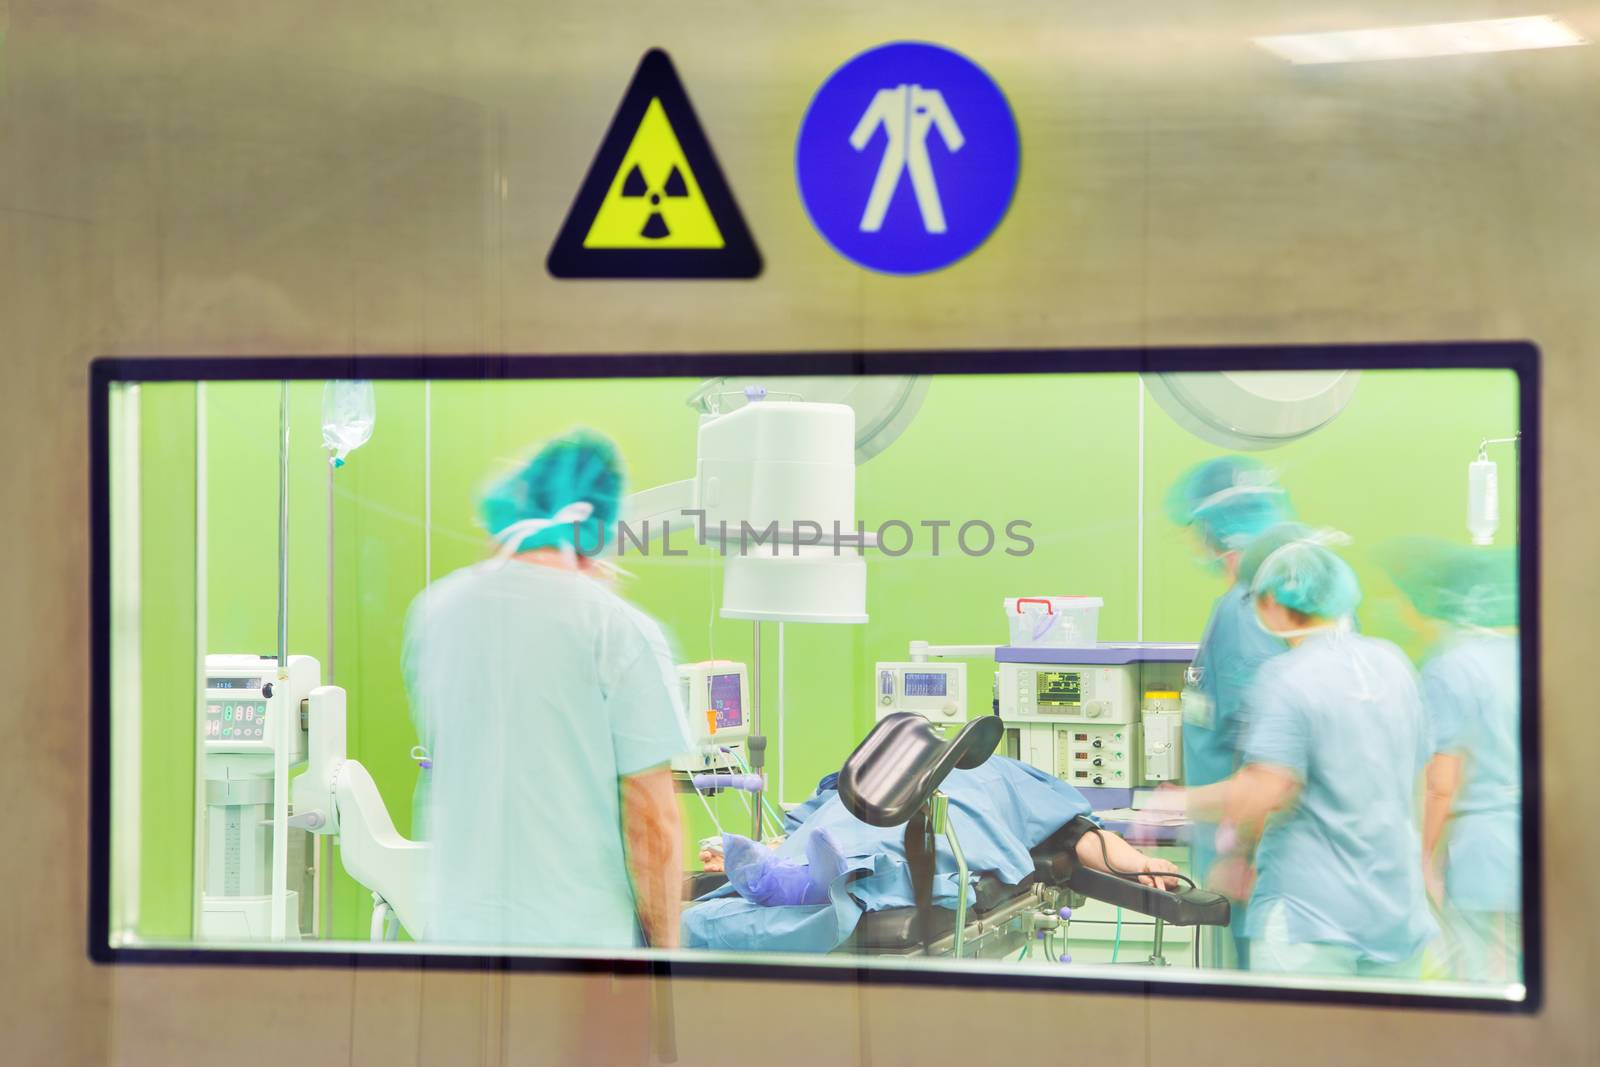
167	631
1060	452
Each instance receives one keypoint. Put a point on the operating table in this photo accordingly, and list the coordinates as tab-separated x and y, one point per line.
893	778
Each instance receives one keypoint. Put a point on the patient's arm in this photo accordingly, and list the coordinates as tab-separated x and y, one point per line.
1119	857
653	832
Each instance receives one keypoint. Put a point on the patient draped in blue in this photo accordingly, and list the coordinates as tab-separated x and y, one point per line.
808	894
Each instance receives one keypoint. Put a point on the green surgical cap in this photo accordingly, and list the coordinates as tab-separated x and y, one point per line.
1456	583
579	466
1308	578
1268	543
1230	499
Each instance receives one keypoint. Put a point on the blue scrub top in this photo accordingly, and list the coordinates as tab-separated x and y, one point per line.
1472	689
1343	714
1232	650
535	691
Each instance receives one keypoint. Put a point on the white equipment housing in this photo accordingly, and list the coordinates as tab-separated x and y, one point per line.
776	481
1048	692
337	796
289	720
1084	723
716	702
1097	755
936	691
1077	723
251	724
1163	746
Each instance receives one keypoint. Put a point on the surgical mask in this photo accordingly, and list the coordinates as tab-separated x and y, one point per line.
1341	625
512	537
608	572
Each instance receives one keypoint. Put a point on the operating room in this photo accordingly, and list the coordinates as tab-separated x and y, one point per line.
254	522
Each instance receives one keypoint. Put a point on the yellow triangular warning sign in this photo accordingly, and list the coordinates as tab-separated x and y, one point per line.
654	203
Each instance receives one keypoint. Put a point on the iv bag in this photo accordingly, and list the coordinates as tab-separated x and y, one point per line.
1483	500
349	408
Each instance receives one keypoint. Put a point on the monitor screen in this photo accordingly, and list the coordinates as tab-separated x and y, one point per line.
233	682
725	701
1060	689
926	683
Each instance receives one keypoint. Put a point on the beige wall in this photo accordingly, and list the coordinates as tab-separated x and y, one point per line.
239	177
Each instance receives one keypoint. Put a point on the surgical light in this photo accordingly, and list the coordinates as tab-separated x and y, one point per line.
1416	42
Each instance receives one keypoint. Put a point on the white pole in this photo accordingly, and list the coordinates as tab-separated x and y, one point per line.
1138	541
127	695
427	482
318	852
783	752
280	755
200	598
755	724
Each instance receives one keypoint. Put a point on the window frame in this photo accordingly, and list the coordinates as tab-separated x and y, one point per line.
1519	357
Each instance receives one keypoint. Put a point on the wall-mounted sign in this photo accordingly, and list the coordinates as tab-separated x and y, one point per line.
654	203
908	158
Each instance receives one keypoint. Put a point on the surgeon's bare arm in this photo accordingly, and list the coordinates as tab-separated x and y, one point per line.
1255	793
1246	800
1105	851
1199	802
653	833
1443	780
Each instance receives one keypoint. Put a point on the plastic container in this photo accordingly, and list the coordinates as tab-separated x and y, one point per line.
1053	621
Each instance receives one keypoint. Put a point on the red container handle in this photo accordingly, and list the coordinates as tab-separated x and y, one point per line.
1049	608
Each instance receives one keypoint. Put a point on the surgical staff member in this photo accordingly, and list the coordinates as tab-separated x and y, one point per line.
1335	746
1471	688
1227	502
550	709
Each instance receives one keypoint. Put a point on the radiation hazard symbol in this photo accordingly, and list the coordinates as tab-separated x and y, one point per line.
654	203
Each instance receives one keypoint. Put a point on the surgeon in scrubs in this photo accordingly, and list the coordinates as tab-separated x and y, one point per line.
1471	688
1332	758
549	707
1227	502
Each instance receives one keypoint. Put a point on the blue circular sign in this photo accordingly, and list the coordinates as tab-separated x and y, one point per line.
908	157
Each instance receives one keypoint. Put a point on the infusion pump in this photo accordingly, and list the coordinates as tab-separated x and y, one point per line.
251	712
245	697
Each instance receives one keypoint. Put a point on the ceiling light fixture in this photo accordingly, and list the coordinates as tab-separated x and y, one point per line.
1416	42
